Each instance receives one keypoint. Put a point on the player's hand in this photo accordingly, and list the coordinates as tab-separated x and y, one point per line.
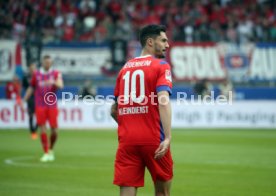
162	149
49	82
20	103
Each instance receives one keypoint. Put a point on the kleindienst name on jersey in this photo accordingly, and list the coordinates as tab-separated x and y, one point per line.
133	110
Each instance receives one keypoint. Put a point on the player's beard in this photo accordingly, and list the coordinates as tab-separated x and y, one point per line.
159	52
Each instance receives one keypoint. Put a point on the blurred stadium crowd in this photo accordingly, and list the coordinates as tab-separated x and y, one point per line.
99	21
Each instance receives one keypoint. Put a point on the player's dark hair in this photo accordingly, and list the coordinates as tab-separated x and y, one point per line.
46	56
150	31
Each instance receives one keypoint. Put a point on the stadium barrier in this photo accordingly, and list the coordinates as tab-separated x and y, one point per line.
79	115
78	58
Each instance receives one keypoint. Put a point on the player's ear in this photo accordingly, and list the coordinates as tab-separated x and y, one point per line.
150	41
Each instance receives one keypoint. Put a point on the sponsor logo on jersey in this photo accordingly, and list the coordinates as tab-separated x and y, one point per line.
168	75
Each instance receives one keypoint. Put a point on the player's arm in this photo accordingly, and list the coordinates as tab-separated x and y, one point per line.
113	111
30	89
114	107
28	93
59	81
164	90
165	113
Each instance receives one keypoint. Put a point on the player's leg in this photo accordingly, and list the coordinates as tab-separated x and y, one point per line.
53	115
44	138
162	188
53	121
41	117
41	122
44	142
129	170
53	138
161	170
32	114
128	191
32	125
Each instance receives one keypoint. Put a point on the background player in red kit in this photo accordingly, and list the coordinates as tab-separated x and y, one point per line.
13	89
143	113
45	82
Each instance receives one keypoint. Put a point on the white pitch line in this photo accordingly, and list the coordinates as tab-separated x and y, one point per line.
16	161
19	162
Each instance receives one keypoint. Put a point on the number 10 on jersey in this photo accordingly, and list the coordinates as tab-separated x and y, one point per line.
130	86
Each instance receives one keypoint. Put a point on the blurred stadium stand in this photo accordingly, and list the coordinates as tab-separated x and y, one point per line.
105	32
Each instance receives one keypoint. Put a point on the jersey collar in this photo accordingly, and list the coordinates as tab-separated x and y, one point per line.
43	71
139	57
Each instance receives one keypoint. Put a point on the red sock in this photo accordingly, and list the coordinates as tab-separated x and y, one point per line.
53	139
44	142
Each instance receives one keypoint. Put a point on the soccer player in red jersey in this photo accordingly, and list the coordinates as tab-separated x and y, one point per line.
45	82
13	89
143	112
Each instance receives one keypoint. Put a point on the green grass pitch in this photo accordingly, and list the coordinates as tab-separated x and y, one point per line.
206	163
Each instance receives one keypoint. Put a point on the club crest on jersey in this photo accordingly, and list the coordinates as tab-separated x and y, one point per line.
168	75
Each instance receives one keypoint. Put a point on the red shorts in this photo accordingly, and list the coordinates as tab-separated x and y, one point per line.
131	162
44	114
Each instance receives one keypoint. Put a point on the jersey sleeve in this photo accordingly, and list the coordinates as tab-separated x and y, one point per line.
164	80
58	75
117	87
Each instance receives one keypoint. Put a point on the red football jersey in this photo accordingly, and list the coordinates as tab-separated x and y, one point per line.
45	94
136	90
13	90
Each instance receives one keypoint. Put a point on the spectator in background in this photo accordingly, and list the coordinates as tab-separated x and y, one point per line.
215	32
226	89
68	30
203	30
245	29
88	90
31	102
5	25
186	20
202	88
231	33
13	89
87	5
19	28
273	32
189	31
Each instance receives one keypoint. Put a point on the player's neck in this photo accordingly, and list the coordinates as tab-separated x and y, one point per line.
146	52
